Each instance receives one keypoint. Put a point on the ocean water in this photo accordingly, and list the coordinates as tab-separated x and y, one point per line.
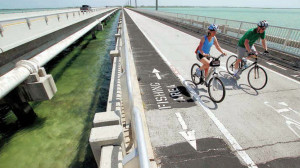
59	136
276	17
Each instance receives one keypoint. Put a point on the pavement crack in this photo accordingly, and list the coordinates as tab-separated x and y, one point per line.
267	145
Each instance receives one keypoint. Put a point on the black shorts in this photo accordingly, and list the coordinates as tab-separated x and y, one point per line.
199	56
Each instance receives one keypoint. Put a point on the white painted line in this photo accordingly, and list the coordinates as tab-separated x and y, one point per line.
246	158
181	121
156	73
276	65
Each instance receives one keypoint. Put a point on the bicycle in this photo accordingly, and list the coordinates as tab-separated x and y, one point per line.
216	88
257	76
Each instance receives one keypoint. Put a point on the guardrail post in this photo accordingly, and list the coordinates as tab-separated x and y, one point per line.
224	28
67	15
1	30
73	14
58	17
28	23
78	13
214	20
240	30
46	20
287	39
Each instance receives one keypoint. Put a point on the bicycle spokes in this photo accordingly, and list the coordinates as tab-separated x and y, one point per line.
257	77
216	89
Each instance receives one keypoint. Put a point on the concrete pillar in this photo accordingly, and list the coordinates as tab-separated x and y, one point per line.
106	119
113	54
22	110
103	136
93	34
100	27
111	157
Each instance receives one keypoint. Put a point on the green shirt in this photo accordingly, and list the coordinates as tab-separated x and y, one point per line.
252	36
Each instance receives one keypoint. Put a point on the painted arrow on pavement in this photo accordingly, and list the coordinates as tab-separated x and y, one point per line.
156	73
189	136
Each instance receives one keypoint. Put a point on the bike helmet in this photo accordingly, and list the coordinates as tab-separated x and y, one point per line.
213	27
263	24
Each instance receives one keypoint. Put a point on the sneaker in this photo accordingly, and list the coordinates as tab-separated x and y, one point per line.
237	75
198	72
245	64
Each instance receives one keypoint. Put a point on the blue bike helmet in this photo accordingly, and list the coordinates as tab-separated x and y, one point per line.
263	24
213	27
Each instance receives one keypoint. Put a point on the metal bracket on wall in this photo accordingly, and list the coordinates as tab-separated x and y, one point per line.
46	20
1	30
28	23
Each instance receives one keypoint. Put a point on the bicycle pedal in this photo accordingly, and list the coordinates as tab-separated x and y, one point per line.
201	80
236	77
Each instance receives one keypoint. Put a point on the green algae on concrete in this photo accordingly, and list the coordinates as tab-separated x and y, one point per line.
59	137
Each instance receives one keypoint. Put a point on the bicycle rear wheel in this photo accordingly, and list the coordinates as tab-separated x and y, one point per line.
230	64
195	78
257	77
216	90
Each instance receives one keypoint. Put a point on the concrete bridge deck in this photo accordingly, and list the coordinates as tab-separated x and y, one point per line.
248	129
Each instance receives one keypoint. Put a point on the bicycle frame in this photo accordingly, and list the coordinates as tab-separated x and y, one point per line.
211	71
253	64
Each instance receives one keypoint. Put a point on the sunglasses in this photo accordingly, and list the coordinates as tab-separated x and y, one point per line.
263	28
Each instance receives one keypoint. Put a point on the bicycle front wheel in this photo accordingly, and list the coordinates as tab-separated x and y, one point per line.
257	77
216	90
230	64
195	78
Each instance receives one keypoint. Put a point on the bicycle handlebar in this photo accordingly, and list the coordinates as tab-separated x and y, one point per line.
210	56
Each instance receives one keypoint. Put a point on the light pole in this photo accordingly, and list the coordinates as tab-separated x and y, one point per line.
156	4
135	4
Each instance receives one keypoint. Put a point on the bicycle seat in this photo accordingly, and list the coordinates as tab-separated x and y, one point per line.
215	62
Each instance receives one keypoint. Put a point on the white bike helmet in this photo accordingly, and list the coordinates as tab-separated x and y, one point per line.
263	24
213	27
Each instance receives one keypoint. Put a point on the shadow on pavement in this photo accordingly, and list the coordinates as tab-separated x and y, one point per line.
211	152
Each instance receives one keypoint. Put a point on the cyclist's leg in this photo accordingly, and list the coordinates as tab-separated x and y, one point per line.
204	61
240	54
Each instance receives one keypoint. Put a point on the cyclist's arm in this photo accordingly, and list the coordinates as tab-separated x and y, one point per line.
247	46
216	43
264	44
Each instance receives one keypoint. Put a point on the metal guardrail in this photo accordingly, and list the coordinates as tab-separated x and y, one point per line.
279	38
33	10
132	113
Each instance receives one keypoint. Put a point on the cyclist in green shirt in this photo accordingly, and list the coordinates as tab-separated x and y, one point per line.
245	44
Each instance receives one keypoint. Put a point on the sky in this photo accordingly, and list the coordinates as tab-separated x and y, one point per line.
13	4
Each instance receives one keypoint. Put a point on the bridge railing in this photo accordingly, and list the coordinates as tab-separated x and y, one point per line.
279	38
139	156
14	32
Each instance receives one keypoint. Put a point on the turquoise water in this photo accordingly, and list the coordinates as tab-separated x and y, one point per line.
276	17
59	136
